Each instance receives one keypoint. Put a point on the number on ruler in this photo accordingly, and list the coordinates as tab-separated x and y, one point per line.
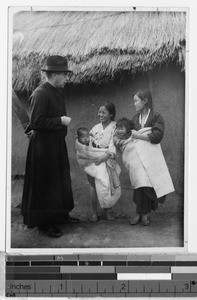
10	295
60	258
123	285
186	286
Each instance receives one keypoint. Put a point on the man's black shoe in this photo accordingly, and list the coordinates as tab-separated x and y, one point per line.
70	220
54	232
51	231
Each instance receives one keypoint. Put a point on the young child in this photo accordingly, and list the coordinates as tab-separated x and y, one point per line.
83	136
122	133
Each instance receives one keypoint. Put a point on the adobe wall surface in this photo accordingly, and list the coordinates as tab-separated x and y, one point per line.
168	89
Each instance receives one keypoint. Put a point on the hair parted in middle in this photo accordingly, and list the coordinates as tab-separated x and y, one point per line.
111	109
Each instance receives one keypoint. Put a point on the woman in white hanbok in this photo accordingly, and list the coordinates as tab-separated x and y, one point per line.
102	137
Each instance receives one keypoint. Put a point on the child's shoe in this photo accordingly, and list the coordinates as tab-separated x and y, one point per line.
135	220
145	221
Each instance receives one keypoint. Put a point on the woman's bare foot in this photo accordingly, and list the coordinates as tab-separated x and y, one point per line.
145	221
109	215
94	218
135	220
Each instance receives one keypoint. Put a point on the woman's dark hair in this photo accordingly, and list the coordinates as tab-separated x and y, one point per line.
111	109
145	94
124	122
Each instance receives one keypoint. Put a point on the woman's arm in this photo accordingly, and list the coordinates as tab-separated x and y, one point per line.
112	147
103	158
157	130
140	136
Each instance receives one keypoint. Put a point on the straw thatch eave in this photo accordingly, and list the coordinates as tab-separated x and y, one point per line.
99	45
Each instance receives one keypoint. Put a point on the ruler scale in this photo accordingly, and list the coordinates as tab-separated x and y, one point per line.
101	276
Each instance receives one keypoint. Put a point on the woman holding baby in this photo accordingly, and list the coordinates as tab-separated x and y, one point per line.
98	160
139	141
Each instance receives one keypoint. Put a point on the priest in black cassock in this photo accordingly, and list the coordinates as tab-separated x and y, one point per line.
47	194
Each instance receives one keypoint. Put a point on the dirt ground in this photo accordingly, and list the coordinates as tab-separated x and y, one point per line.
165	229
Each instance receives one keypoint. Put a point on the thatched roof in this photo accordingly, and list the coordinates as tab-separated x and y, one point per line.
99	45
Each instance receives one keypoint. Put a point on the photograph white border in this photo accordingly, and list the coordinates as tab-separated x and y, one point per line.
151	250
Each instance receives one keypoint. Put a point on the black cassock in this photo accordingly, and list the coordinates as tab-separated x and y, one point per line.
47	192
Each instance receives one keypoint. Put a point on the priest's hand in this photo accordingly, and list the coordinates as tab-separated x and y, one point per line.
65	120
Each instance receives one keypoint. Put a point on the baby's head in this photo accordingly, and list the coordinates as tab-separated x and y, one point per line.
123	126
83	136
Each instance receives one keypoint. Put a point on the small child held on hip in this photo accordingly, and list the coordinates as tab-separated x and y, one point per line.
83	136
123	133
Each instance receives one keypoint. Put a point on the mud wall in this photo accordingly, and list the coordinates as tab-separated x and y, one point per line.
168	89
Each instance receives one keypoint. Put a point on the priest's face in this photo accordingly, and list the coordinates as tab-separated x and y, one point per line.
60	79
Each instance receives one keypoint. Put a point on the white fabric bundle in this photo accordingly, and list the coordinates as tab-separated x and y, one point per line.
106	174
146	165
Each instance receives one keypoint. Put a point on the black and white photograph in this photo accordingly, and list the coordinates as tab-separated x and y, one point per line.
98	122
